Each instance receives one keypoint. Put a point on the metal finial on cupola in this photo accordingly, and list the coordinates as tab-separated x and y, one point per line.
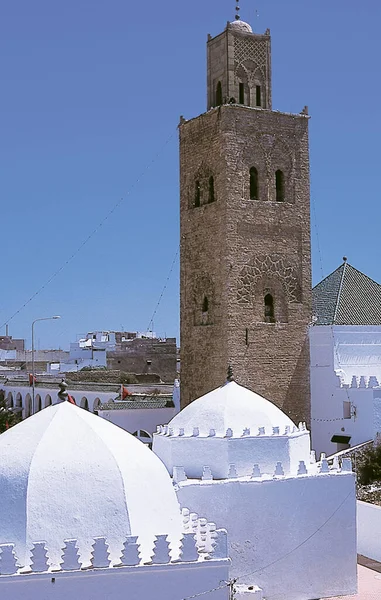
62	394
237	9
230	374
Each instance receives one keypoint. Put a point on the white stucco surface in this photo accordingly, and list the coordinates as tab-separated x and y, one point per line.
172	582
232	426
66	473
369	530
345	372
230	406
240	462
241	26
218	453
138	418
293	537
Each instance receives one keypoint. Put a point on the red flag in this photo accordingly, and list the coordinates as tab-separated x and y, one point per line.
71	399
125	393
31	378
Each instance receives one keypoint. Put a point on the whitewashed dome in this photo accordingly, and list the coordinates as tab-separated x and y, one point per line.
239	25
227	432
68	474
230	406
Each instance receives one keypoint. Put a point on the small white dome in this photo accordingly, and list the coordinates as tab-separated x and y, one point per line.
68	474
239	25
247	428
230	406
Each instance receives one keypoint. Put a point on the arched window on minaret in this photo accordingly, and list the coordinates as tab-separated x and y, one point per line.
253	184
258	95
241	93
279	185
269	309
197	194
219	94
211	197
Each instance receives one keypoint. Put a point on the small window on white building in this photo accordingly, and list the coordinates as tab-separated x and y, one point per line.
346	410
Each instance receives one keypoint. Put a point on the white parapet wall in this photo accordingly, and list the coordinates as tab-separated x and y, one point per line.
268	445
369	530
345	385
282	530
194	569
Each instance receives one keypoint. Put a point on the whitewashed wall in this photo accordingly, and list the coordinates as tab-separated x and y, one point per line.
7	355
166	582
130	420
194	452
293	537
139	419
336	378
51	394
369	530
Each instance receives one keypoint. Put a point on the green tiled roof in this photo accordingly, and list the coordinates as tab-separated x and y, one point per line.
347	297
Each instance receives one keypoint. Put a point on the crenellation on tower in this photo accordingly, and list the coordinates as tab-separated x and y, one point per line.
245	249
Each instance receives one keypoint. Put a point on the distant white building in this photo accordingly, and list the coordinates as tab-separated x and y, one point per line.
345	344
91	350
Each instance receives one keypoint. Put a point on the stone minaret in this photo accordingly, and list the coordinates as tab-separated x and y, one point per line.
245	232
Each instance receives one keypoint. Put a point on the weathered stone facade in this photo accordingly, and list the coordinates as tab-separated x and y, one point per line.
245	238
146	356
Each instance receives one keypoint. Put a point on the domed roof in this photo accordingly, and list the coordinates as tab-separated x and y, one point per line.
68	474
239	25
230	406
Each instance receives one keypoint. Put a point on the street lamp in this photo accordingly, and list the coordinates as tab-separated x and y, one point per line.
35	321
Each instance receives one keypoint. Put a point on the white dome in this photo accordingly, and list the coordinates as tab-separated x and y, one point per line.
68	474
230	406
239	25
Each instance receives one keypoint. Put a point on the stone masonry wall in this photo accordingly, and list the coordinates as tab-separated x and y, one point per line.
203	341
236	250
146	356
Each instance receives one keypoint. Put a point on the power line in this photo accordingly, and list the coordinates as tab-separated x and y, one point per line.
301	544
164	288
231	582
220	587
92	234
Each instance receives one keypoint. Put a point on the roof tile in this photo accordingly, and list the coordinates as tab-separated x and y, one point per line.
347	297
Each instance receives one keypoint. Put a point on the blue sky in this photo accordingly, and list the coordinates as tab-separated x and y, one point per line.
91	97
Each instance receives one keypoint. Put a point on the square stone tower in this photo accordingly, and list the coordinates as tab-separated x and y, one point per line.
245	232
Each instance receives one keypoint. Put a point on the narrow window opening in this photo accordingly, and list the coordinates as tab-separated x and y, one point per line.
241	93
269	309
279	184
219	94
253	184
211	189
197	194
258	98
205	311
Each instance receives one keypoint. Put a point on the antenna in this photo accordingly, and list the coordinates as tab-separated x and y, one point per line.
237	9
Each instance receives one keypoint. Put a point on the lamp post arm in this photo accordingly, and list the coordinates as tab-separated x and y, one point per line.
33	386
